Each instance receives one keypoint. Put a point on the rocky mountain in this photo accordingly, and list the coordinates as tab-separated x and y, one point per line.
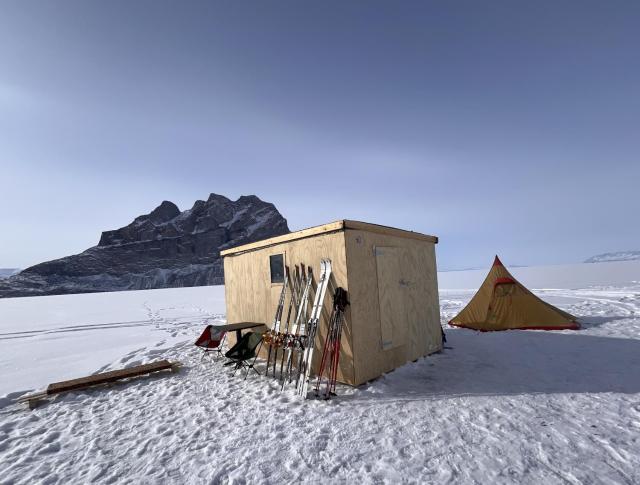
165	248
618	256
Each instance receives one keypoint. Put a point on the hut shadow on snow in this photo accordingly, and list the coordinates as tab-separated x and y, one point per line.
513	363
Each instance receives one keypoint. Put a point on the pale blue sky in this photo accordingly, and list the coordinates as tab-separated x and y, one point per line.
502	127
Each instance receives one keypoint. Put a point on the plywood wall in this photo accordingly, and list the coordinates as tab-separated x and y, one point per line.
250	296
417	287
410	281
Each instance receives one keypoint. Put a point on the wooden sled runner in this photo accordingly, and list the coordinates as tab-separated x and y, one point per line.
99	379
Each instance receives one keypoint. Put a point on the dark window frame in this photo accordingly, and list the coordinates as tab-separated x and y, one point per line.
276	268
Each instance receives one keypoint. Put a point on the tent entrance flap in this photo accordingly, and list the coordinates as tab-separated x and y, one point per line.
391	297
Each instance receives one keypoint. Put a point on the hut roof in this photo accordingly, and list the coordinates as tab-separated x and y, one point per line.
336	226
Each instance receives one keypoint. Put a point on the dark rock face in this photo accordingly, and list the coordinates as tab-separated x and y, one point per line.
166	248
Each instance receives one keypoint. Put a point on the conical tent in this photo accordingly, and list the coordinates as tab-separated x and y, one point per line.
502	303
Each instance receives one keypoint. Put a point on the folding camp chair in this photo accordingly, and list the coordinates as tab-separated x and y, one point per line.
241	354
211	340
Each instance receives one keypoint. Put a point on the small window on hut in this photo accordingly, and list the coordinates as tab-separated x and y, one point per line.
276	263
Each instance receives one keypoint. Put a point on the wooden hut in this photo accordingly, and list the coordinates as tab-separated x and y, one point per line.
390	275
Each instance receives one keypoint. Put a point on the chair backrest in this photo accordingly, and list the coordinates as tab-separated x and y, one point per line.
210	338
245	348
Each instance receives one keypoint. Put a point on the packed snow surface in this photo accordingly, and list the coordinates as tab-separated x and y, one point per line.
505	407
60	337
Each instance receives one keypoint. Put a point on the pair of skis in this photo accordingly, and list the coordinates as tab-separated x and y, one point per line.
308	333
331	350
292	339
271	337
282	339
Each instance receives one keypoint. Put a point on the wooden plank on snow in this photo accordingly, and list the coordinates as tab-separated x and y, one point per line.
107	377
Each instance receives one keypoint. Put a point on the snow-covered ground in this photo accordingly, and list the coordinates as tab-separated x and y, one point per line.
508	407
60	337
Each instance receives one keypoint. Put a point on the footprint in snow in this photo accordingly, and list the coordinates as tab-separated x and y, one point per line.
223	406
52	436
53	447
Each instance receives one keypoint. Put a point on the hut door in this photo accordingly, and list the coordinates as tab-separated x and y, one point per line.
391	296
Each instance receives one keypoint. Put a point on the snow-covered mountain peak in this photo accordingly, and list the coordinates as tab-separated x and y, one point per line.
616	256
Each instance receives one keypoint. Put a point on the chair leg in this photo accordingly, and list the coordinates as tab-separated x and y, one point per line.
255	358
204	354
249	367
221	345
